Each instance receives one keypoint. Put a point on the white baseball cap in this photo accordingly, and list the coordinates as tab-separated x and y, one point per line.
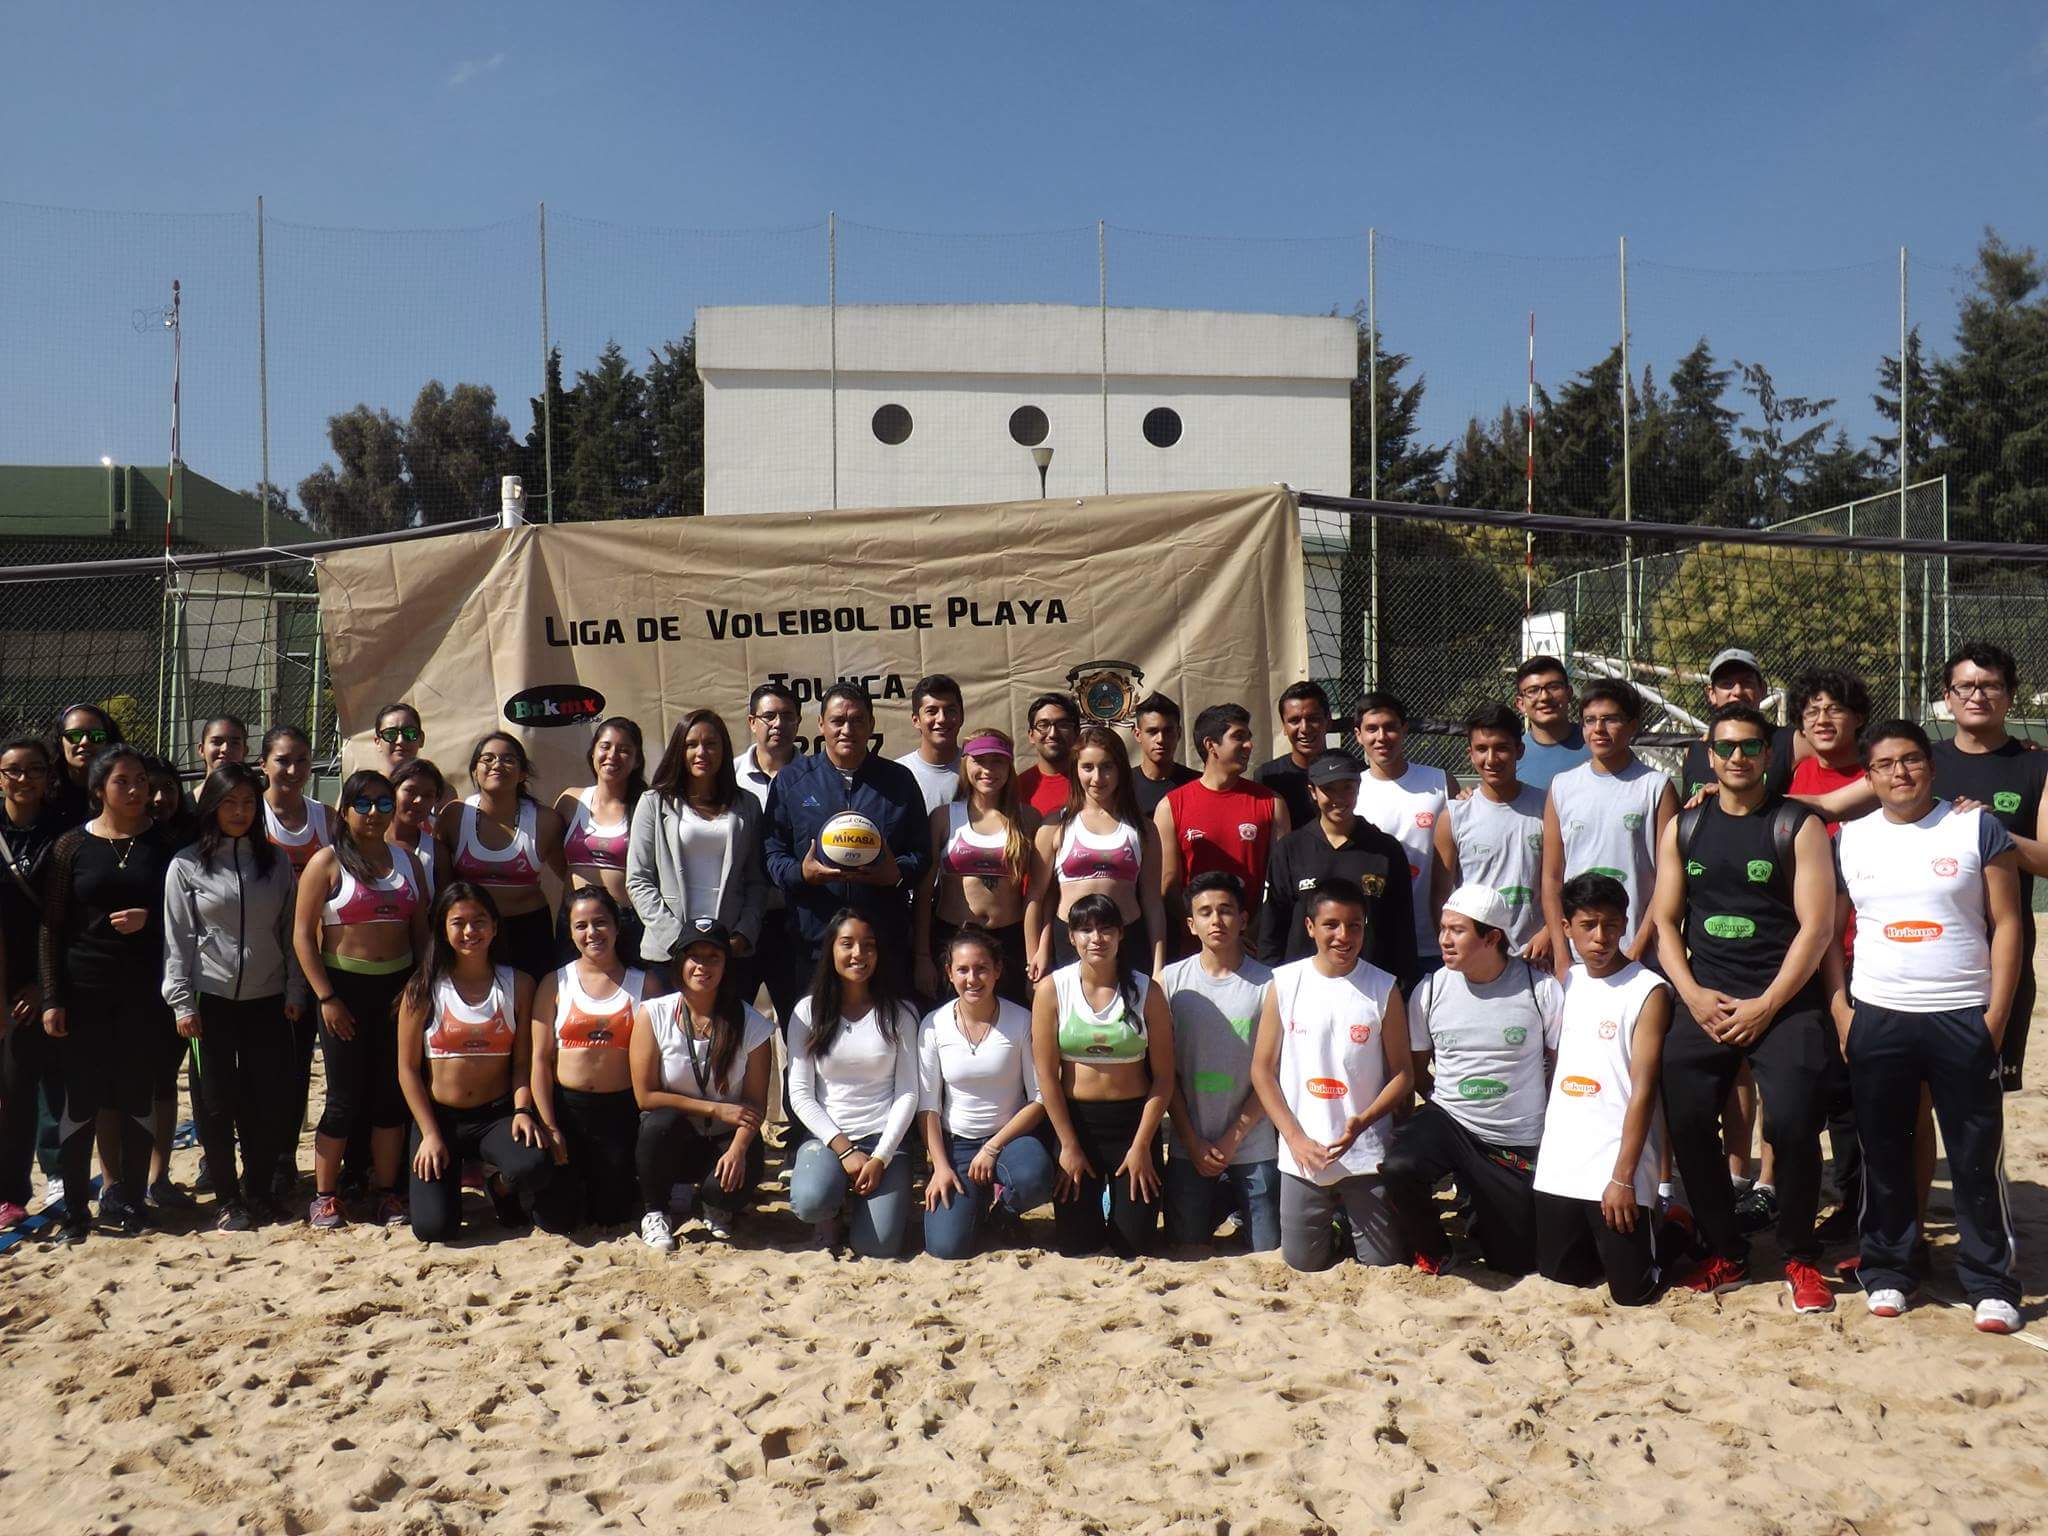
1481	903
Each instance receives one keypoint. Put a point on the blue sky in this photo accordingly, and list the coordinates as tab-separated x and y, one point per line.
1765	163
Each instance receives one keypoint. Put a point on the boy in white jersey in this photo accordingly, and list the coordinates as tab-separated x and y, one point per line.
1225	1154
1331	1067
1494	836
1406	801
1596	1170
1936	897
1604	817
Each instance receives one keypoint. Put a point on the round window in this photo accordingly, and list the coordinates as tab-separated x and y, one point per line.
1028	426
1162	426
892	425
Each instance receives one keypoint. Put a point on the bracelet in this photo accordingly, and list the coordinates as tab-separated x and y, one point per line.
1617	1184
528	1110
324	1001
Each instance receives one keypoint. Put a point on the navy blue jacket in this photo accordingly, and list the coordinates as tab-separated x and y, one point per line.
808	793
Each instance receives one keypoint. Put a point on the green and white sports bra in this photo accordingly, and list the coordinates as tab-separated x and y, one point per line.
1102	1038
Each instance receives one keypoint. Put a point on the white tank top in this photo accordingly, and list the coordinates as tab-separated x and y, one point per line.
1406	810
1098	1037
1921	945
300	846
586	1023
458	1028
1085	855
390	900
586	842
1609	825
1589	1095
1502	846
1333	1060
515	865
686	1059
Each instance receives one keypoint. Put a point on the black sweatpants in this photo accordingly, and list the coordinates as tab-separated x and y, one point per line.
1431	1144
2012	1052
597	1183
1838	1104
305	1035
28	1060
1575	1246
242	1065
109	1058
362	1072
1789	1062
1891	1056
671	1150
482	1134
1105	1131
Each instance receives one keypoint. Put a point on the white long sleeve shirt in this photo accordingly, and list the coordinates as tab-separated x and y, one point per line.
866	1086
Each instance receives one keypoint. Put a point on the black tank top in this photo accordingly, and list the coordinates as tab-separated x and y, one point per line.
1739	919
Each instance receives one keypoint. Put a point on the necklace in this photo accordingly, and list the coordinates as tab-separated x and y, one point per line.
961	1021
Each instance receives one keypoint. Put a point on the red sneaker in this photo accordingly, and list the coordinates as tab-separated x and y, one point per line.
1439	1265
1712	1276
1809	1288
11	1214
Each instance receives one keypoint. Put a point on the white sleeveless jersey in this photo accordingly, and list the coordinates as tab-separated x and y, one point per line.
1333	1060
1501	845
1406	810
1589	1096
1918	888
1608	822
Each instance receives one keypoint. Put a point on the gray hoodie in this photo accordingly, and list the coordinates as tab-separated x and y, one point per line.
228	930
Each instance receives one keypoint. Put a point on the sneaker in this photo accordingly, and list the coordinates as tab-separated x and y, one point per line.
166	1196
1809	1288
715	1226
234	1218
53	1196
12	1214
71	1234
1757	1210
1996	1315
325	1213
392	1210
124	1218
1885	1303
655	1232
1438	1264
1714	1275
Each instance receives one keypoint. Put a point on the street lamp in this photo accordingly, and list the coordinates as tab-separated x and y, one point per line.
1042	457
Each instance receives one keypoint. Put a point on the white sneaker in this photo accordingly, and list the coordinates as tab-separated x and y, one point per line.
1885	1303
1997	1316
715	1226
53	1193
656	1233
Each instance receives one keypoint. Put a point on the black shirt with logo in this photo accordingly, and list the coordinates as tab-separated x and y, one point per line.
1368	856
1739	917
1151	791
2009	781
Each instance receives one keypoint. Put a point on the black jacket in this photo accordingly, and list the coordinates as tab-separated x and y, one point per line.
1371	858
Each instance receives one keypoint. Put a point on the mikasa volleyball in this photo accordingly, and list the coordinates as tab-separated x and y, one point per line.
850	841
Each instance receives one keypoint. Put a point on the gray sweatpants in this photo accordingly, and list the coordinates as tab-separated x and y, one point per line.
1308	1212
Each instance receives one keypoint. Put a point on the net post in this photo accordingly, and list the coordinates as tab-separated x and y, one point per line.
547	401
832	339
275	636
1102	311
1905	457
1628	511
1372	467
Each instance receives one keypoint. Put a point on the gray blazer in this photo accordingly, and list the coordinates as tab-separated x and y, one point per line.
656	883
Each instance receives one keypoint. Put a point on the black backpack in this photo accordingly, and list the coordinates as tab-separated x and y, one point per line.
1787	817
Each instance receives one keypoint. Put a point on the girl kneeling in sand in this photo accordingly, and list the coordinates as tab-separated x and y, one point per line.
464	1021
853	1083
701	1061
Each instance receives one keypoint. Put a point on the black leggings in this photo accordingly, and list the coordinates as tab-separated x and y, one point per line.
1499	1179
362	1073
482	1134
168	1054
1014	984
242	1064
596	1184
28	1059
1106	1131
109	1058
672	1150
526	943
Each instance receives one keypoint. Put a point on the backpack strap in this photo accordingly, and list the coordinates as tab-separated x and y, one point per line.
1786	820
1689	822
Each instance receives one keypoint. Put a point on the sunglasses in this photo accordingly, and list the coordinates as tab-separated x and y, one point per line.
80	734
363	805
394	734
1751	747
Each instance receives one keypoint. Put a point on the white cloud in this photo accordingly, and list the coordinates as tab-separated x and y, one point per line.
469	69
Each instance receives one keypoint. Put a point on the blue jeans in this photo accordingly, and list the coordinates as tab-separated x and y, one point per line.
1194	1205
1025	1170
819	1189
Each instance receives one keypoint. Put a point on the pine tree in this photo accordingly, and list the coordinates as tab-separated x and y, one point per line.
1990	399
609	468
1920	408
675	411
456	448
1781	451
1702	470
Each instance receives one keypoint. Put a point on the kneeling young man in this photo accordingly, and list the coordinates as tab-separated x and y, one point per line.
1596	1168
1486	1021
1224	1148
1331	1066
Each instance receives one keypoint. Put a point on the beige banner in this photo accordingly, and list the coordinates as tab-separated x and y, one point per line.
541	627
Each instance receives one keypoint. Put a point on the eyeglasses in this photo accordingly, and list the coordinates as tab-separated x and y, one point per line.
1557	689
1051	727
1960	690
363	805
22	775
1886	767
1816	712
775	716
394	734
78	735
496	760
1751	747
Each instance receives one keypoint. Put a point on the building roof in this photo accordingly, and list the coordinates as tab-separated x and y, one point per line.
124	503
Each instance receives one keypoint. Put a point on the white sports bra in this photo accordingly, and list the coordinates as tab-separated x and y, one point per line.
586	1023
300	846
515	866
460	1029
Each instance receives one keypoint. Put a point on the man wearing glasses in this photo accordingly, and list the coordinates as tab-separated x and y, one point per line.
1984	764
1744	909
1552	744
772	721
1937	898
1055	721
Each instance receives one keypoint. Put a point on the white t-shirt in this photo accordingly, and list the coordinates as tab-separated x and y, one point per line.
1590	1096
865	1087
1406	810
939	781
686	1059
1489	1042
976	1089
1333	1060
1921	941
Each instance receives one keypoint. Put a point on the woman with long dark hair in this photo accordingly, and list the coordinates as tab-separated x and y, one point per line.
361	923
582	1073
101	951
465	1064
501	838
1101	845
1103	1042
78	735
300	827
233	986
853	1082
701	1064
418	789
28	1057
596	823
981	869
695	850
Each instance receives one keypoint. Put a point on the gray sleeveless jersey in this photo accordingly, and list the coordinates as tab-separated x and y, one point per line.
1609	823
1502	846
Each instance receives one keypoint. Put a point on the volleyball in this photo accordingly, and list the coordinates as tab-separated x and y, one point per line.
850	841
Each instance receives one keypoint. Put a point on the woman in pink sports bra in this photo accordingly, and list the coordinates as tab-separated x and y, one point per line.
501	838
981	868
298	827
596	821
361	917
1102	845
465	1063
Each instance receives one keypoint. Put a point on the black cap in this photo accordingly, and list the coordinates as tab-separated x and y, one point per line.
1333	767
705	930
